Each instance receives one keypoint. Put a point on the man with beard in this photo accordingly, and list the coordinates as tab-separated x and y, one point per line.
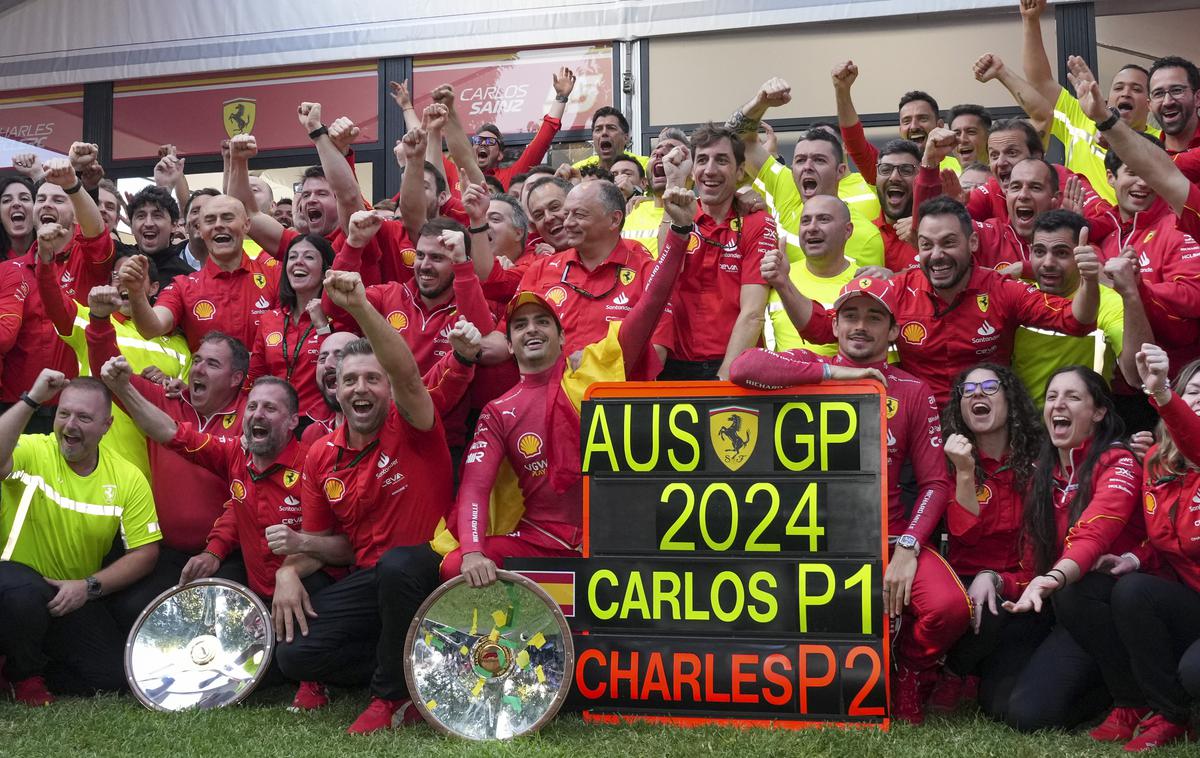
534	429
424	309
328	356
1032	189
1174	82
970	123
382	482
894	178
919	585
283	212
263	468
818	168
228	294
152	214
918	114
610	139
597	277
194	252
953	314
720	297
63	503
1120	319
192	498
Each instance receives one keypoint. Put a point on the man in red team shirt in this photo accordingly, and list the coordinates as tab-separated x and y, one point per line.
382	482
82	258
1174	83
228	294
262	467
954	314
535	426
191	497
918	584
720	297
895	175
597	278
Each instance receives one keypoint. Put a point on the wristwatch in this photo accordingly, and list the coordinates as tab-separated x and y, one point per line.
1110	122
93	588
909	542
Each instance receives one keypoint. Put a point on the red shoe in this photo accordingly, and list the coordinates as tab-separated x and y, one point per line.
310	697
906	696
947	693
1120	725
32	692
1156	732
385	714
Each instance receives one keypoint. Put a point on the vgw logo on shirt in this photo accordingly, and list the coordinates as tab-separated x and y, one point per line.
733	433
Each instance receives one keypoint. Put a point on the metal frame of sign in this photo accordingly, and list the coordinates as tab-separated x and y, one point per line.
660	391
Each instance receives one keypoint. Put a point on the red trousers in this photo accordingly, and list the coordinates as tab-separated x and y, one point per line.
939	612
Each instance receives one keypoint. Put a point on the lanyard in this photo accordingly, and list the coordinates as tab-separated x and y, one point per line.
337	465
291	363
270	470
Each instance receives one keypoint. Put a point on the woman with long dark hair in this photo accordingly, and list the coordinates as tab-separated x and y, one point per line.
993	434
289	337
17	230
1082	505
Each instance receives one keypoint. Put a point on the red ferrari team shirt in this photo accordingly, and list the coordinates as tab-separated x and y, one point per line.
722	257
257	499
391	493
586	301
914	431
1171	505
232	302
897	254
35	345
939	339
388	257
289	351
188	498
990	540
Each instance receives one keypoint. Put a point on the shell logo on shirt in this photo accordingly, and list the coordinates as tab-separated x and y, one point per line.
398	320
893	407
983	494
260	281
204	310
556	295
408	257
1151	503
290	477
530	444
273	339
693	242
335	489
237	489
914	333
627	275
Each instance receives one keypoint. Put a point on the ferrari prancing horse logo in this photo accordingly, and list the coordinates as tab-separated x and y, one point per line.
733	432
239	116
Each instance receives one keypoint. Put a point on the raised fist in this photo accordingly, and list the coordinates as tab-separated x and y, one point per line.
47	385
476	199
775	92
60	171
342	133
345	289
82	155
411	148
677	165
774	267
433	118
987	67
960	452
243	147
680	205
465	338
51	240
362	227
103	300
168	170
844	75
310	116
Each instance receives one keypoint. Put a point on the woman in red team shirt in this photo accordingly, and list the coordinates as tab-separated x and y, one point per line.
16	217
289	337
1080	506
993	434
1158	617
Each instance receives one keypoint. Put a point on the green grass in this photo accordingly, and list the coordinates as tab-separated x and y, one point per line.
118	726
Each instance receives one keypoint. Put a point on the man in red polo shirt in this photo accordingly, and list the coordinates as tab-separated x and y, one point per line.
952	313
382	481
598	278
1174	83
262	467
191	497
895	175
720	297
227	295
918	584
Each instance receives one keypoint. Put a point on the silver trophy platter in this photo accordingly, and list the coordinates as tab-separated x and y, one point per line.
203	645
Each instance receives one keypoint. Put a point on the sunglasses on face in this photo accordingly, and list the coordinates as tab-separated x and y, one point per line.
485	141
987	386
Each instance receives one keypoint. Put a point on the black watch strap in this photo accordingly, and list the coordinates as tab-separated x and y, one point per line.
25	398
683	230
479	229
78	185
1110	122
315	133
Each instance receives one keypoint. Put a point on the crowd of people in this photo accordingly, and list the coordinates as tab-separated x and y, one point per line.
341	403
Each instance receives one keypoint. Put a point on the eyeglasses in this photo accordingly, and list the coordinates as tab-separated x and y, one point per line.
585	293
907	170
485	141
1175	92
988	386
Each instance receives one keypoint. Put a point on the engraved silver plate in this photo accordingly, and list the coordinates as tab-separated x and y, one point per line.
204	645
489	663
